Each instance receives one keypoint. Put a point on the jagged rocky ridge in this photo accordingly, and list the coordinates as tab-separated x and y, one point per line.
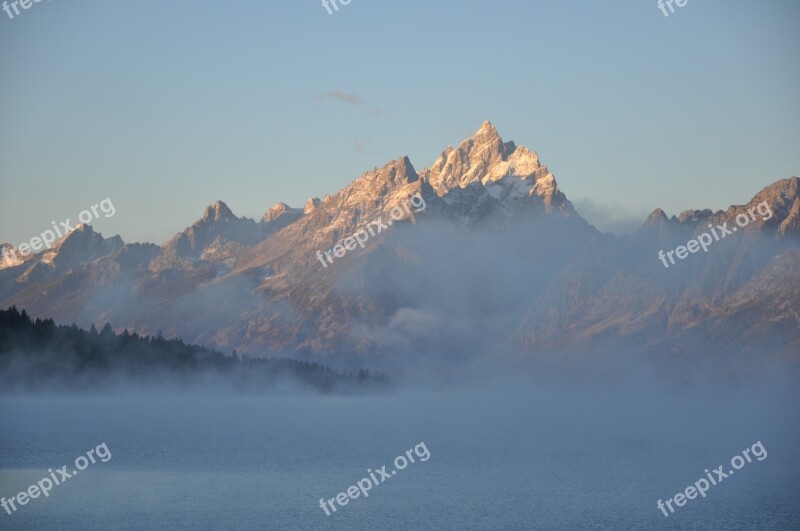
499	264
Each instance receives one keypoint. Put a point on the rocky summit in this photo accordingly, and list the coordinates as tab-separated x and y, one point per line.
498	266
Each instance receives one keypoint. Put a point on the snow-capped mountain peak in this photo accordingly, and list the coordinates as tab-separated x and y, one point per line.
280	210
507	172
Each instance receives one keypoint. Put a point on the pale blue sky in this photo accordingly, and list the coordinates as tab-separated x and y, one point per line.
167	106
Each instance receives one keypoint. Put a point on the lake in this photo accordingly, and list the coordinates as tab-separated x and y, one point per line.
500	458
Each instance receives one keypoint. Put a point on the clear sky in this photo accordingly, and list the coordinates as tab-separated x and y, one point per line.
166	107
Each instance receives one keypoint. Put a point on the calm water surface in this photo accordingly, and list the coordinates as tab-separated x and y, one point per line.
499	460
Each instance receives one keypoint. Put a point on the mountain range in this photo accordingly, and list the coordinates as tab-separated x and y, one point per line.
498	266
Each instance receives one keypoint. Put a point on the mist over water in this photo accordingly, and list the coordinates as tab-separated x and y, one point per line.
505	454
590	437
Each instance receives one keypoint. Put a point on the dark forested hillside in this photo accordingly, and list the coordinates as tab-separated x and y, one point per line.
38	354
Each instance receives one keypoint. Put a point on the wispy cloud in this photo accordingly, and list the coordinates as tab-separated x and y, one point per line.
350	99
337	95
615	219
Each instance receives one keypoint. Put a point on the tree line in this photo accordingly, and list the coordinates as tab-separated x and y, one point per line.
37	354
